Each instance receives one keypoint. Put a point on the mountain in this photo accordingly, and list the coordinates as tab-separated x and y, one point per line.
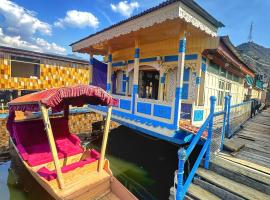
256	56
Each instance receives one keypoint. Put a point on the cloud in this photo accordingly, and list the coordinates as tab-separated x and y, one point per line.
77	19
20	21
37	44
19	26
124	8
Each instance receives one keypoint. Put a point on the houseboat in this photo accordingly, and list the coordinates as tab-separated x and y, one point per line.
58	162
159	67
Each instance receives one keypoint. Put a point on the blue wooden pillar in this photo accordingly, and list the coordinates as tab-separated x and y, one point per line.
91	65
228	129
224	121
109	74
135	77
210	131
179	81
180	174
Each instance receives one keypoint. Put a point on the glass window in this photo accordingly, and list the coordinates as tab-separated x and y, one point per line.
25	67
223	72
213	68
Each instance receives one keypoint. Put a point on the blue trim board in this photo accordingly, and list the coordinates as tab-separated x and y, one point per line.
162	79
198	115
134	93
174	58
110	58
91	62
118	64
177	137
204	59
125	104
162	111
198	80
184	94
137	53
182	45
178	94
152	59
191	57
144	108
171	58
186	74
108	87
203	67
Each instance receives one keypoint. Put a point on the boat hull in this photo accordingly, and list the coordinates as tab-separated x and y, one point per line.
94	185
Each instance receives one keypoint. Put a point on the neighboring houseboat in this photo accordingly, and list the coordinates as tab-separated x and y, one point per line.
154	65
23	72
64	168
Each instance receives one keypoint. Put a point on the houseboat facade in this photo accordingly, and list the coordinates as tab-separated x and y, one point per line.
160	70
23	72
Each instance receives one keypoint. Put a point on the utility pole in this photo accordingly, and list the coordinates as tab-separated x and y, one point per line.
250	36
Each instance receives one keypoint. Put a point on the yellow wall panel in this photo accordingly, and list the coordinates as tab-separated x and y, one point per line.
50	76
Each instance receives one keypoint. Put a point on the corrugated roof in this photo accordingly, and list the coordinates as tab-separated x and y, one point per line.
234	50
42	55
189	3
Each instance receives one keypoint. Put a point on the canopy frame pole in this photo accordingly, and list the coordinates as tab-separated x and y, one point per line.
46	120
105	139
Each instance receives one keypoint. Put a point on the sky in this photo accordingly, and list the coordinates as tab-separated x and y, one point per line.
51	25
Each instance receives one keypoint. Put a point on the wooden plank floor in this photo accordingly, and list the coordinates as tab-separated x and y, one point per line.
256	137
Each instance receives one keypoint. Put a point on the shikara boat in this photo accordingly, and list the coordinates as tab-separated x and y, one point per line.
54	156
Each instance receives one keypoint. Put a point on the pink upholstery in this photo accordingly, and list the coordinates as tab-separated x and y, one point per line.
51	174
33	145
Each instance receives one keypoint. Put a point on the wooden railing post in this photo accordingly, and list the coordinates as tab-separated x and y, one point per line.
45	116
105	139
210	130
180	174
228	129
224	126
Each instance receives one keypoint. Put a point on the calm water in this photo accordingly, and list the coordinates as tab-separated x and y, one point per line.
144	165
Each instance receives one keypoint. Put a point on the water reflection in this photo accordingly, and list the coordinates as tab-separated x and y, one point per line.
144	165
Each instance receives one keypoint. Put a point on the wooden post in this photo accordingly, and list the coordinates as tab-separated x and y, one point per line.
179	80
161	85
49	132
135	75
105	139
109	72
91	64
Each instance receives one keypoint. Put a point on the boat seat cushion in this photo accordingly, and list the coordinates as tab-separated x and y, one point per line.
51	174
33	145
40	153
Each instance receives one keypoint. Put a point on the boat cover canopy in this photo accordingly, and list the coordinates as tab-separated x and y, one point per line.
58	98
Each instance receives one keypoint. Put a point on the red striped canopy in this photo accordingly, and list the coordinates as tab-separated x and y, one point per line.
58	98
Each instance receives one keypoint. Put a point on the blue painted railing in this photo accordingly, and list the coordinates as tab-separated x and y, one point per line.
183	154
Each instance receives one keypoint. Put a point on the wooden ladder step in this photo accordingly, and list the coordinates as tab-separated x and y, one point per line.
198	193
232	186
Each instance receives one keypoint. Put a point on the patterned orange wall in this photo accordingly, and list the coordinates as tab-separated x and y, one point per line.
50	76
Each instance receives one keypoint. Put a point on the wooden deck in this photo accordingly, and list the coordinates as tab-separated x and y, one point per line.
254	139
244	171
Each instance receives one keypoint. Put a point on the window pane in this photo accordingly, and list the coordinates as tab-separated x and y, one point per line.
25	70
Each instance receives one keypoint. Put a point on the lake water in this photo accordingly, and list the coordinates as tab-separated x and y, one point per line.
144	165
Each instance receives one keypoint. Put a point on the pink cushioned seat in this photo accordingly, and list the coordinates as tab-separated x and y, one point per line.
33	145
51	174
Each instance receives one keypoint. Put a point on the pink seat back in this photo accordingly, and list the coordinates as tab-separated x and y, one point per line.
33	132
